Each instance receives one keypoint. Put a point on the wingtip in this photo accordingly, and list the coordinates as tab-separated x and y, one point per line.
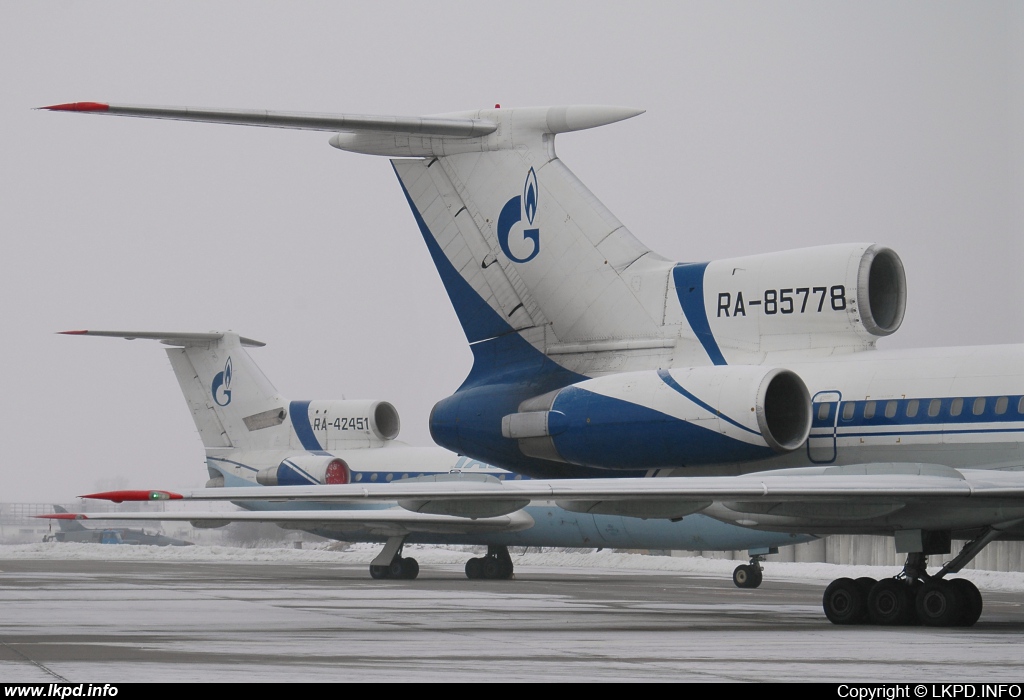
77	107
63	516
131	495
72	332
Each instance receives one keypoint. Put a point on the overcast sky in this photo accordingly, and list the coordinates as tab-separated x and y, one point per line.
769	126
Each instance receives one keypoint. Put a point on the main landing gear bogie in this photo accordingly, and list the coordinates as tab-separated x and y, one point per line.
751	575
400	568
935	602
496	565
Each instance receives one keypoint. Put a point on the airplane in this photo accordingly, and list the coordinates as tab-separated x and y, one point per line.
254	437
72	530
757	377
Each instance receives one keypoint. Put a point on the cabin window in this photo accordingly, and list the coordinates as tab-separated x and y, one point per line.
912	407
1001	403
869	410
890	409
1020	405
956	407
979	406
933	407
848	408
823	410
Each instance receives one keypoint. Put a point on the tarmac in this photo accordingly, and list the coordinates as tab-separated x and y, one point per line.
165	621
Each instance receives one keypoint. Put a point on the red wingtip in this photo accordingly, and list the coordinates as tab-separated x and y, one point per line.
72	332
78	107
63	516
120	496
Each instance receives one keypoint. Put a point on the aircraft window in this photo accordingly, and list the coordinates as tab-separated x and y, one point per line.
957	407
979	406
373	477
1020	405
359	477
869	410
890	409
389	477
933	407
518	477
823	410
912	407
848	409
405	476
1001	403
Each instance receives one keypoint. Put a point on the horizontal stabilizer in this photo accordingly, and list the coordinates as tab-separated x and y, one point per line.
166	337
427	126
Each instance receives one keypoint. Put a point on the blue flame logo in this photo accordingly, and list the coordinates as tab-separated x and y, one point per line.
530	196
512	213
221	387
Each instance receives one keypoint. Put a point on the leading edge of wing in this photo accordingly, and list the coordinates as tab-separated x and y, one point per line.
454	127
796	485
376	518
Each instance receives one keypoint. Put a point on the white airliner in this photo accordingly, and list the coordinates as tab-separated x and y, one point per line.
596	357
254	437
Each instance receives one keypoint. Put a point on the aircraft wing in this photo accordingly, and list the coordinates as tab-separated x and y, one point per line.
817	499
386	522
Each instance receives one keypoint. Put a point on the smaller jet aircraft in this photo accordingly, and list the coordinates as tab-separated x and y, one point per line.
255	438
72	530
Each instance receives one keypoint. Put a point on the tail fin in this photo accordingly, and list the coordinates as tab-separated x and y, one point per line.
67	525
232	402
522	245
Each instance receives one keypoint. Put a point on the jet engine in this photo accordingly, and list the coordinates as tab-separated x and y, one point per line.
304	470
666	418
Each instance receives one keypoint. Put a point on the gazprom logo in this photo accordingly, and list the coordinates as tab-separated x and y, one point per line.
221	387
513	212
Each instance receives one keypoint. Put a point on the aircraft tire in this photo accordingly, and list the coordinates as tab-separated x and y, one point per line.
890	604
970	600
938	604
410	568
845	602
475	568
743	576
493	568
379	572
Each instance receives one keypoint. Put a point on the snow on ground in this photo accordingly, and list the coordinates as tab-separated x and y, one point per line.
609	560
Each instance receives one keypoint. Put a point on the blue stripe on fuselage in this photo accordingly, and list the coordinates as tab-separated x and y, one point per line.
689	281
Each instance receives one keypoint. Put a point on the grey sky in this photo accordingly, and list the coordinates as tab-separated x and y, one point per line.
769	126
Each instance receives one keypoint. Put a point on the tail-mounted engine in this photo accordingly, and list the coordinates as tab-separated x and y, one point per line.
335	425
666	418
839	295
305	470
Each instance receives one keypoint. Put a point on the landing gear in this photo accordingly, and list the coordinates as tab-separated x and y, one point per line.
750	575
496	565
912	597
390	564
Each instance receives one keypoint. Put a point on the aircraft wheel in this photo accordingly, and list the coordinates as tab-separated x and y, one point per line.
475	568
938	604
865	583
507	569
845	602
493	568
889	603
410	568
397	568
970	600
744	577
379	572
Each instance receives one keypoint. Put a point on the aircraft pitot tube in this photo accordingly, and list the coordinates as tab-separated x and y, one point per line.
666	418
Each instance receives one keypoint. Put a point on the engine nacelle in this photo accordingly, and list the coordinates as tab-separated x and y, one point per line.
304	470
335	425
812	297
666	418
